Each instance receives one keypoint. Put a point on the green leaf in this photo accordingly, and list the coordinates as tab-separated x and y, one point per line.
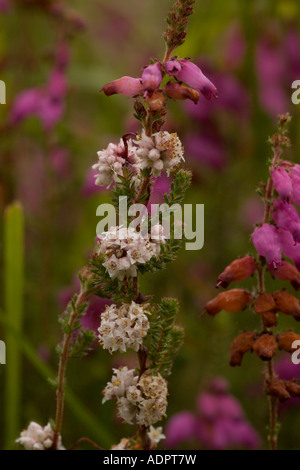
13	245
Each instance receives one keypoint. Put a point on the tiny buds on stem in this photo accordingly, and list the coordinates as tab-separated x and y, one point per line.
238	270
265	346
286	272
239	346
276	388
285	341
233	300
287	303
178	91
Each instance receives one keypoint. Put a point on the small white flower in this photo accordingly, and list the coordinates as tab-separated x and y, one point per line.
155	435
162	151
36	437
121	380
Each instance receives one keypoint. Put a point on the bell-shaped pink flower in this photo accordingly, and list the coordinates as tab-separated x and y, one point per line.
190	74
289	248
267	243
152	77
127	86
282	183
295	178
287	217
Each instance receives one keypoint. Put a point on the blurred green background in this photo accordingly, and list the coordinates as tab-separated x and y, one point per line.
251	52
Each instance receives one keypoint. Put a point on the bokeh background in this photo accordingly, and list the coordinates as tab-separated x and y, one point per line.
62	55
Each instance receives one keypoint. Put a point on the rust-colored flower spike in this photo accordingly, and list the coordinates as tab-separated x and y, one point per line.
239	346
233	300
286	272
238	270
265	306
265	346
287	303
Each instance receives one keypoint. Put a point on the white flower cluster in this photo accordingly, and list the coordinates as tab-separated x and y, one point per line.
35	437
142	401
112	162
123	327
124	248
161	151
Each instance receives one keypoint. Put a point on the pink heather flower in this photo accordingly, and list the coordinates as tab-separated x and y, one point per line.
180	427
295	178
152	77
206	150
127	86
282	183
287	217
25	104
267	243
289	248
251	212
190	74
271	71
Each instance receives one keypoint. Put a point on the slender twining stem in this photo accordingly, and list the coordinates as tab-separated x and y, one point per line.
64	356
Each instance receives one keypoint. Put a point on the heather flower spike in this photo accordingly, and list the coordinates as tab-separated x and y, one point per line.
131	321
277	234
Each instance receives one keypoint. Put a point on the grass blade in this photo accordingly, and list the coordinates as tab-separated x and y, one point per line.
13	245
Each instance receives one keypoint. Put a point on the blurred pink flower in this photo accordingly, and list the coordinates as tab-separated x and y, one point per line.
206	150
219	424
251	212
89	187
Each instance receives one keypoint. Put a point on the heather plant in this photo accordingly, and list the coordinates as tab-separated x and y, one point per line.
276	235
123	253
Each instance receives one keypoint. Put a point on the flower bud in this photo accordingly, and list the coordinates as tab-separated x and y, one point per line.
287	218
265	306
181	92
287	303
190	74
238	270
239	346
295	177
267	243
293	388
233	300
265	346
276	388
152	77
282	183
286	272
264	303
127	86
285	341
156	101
